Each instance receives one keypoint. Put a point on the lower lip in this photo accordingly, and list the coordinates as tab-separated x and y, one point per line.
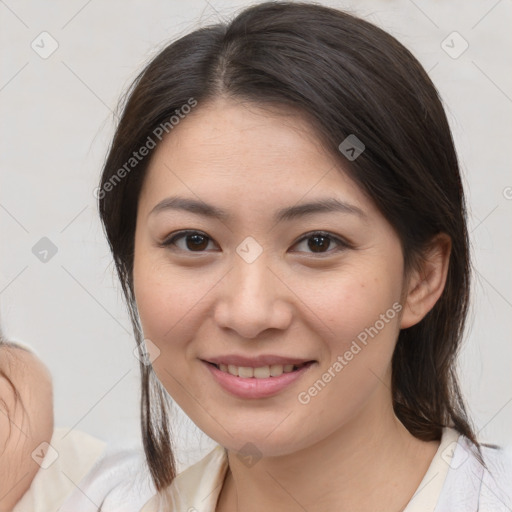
255	388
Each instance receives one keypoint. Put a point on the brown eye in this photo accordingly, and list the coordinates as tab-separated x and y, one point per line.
194	241
320	243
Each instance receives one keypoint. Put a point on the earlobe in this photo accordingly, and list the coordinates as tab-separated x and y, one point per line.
426	283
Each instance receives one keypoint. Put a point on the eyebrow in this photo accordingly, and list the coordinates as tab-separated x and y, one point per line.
323	205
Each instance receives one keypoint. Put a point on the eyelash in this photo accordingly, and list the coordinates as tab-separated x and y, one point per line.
342	244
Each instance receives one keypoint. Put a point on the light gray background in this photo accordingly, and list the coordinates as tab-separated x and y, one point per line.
56	124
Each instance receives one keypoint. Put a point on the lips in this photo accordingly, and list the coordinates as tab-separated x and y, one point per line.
263	383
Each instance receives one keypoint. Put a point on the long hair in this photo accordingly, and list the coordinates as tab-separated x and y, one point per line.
346	77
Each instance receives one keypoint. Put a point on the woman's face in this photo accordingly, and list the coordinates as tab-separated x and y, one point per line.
260	284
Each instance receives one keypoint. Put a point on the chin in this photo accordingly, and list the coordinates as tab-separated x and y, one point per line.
261	442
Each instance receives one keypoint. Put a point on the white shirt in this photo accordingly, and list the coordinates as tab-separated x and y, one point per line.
454	482
80	473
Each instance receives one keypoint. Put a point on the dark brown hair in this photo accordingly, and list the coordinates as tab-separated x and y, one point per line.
345	76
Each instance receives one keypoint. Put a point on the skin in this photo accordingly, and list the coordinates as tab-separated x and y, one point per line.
25	422
346	445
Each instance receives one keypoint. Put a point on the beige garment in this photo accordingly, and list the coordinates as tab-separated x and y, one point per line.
197	489
428	492
70	457
83	474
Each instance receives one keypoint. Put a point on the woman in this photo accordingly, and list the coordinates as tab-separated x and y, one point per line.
284	206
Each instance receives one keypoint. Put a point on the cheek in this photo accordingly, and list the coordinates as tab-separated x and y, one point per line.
347	302
361	311
161	292
358	312
165	306
171	303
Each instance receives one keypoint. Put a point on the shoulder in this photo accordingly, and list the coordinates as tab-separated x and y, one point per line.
81	473
496	488
469	485
196	488
119	480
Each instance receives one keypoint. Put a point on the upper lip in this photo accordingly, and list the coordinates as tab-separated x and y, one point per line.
255	362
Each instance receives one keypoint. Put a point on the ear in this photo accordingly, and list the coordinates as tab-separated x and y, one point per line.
426	282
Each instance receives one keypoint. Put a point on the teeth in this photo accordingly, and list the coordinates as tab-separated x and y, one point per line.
263	372
245	372
276	370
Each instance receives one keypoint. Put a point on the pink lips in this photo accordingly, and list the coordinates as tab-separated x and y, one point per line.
256	388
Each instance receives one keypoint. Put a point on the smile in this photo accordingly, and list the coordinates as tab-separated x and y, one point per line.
256	382
262	372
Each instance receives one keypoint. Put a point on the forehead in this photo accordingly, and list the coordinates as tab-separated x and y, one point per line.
231	152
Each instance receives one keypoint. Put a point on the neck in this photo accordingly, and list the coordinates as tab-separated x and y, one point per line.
372	463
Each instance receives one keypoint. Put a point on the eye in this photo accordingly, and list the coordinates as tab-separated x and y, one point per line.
194	241
319	241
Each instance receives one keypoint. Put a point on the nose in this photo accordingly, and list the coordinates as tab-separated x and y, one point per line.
253	299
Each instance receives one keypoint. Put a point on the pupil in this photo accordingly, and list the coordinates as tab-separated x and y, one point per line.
196	244
313	245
